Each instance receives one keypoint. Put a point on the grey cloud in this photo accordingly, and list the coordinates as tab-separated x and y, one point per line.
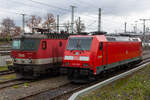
109	7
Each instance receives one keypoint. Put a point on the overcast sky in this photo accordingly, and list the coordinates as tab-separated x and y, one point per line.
114	12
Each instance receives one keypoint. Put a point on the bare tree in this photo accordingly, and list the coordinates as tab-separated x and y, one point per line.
7	26
17	31
34	22
67	26
49	22
79	26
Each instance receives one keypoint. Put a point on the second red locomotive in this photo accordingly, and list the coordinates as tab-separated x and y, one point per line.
36	54
88	56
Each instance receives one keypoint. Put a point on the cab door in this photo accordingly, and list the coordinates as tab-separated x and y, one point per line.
100	55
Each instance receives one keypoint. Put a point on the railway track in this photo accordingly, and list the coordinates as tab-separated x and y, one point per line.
6	72
33	88
11	82
64	91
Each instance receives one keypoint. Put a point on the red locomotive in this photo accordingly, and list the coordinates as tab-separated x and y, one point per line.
36	54
88	56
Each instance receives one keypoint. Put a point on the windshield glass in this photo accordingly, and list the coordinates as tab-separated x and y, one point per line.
28	44
79	43
16	44
25	44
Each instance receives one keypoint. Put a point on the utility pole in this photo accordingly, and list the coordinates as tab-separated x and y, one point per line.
136	26
99	20
49	27
23	23
32	24
134	29
79	25
72	18
144	20
57	23
68	29
125	27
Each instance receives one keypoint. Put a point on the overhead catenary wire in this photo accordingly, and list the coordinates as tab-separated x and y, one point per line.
91	24
38	8
29	5
86	16
34	7
50	5
86	3
16	13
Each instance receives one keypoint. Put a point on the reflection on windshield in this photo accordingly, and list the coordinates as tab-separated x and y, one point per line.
26	44
16	44
79	43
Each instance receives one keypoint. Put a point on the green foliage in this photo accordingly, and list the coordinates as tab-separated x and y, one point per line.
16	86
134	87
3	68
10	76
26	84
7	77
7	39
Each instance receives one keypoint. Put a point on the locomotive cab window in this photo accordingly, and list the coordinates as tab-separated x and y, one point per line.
29	44
16	44
25	44
79	43
101	46
44	44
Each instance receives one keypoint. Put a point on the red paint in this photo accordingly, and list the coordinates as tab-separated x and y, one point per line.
112	52
53	50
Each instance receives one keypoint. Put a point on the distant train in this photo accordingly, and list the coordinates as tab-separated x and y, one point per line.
87	56
38	54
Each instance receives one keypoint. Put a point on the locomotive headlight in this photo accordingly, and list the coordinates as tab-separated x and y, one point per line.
26	61
30	60
84	58
68	57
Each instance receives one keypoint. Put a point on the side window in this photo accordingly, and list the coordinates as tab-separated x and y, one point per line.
101	46
44	44
60	44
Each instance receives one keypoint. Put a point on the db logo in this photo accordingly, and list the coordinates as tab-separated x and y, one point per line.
75	58
21	55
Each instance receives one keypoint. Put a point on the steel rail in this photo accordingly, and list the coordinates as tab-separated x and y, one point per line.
6	72
11	82
65	90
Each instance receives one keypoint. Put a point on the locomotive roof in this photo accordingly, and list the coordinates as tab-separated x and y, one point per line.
110	38
99	37
122	38
44	36
31	36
